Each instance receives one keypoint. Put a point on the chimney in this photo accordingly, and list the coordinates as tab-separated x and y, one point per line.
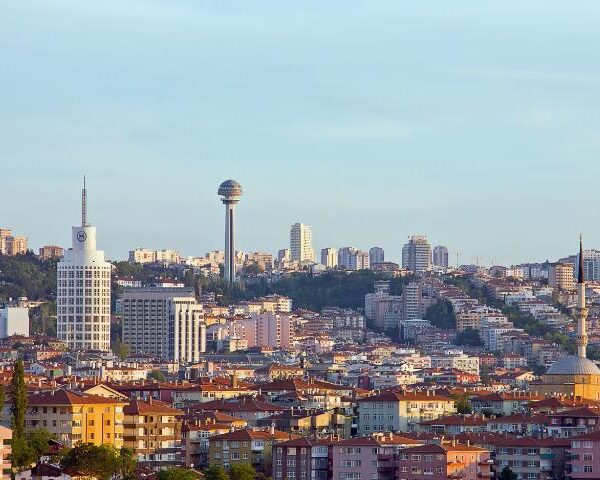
272	429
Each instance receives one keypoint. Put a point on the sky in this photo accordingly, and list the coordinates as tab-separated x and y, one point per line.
475	123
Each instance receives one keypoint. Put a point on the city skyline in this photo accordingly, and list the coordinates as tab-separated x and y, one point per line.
446	142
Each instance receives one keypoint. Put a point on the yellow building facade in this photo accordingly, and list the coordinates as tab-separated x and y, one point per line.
74	418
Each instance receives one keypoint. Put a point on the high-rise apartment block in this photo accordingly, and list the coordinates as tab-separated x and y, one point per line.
301	247
560	276
416	254
440	256
329	257
265	330
376	255
48	252
10	244
83	291
352	258
164	322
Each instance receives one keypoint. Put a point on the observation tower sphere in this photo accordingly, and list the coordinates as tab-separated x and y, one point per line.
230	192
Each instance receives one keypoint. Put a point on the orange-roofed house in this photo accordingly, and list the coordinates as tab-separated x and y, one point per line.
442	462
152	430
391	411
73	417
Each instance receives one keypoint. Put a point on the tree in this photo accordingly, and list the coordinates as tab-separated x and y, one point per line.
100	461
469	336
120	349
21	455
178	473
241	471
508	474
2	399
37	441
214	473
462	404
156	375
441	314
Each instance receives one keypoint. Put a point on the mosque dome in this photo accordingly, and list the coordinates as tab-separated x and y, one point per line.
573	365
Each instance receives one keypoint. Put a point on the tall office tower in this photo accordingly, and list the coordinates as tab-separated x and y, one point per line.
560	276
83	290
416	254
329	257
230	192
376	255
301	248
440	256
164	322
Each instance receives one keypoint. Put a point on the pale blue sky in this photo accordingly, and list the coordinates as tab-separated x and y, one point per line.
473	122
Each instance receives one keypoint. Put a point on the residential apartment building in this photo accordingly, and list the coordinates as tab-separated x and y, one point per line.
329	257
561	276
368	457
376	255
301	458
440	256
152	430
245	446
583	459
14	321
144	255
440	462
352	258
166	322
77	418
301	247
264	261
12	245
48	252
456	360
416	254
5	453
265	330
532	458
400	412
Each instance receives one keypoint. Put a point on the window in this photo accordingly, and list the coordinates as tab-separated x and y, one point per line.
588	457
587	469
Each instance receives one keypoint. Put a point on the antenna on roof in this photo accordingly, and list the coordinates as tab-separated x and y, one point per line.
84	205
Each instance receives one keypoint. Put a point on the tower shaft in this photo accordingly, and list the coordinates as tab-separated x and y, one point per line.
229	271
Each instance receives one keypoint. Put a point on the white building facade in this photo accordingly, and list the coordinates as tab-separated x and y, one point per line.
301	246
83	291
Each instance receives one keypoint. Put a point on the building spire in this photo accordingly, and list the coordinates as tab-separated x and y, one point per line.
84	205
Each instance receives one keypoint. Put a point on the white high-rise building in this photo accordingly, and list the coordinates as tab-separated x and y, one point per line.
329	257
301	247
186	337
83	290
164	322
416	254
